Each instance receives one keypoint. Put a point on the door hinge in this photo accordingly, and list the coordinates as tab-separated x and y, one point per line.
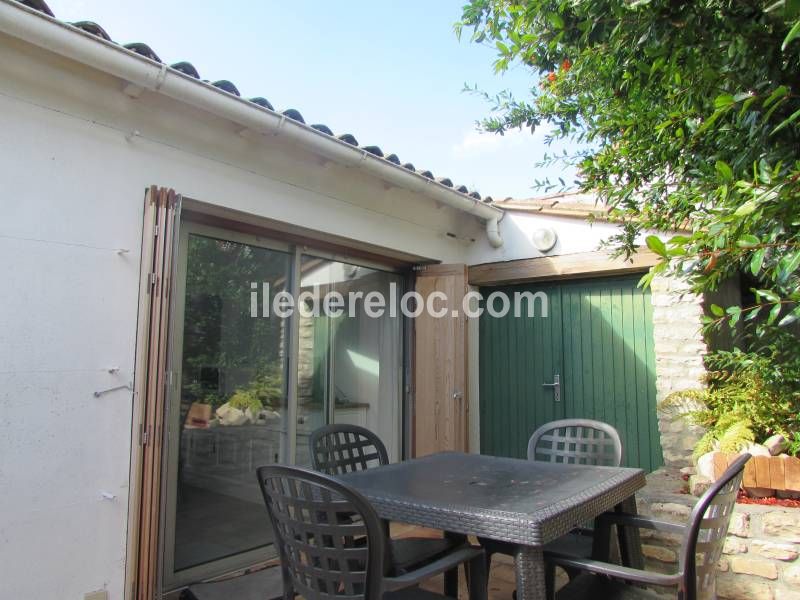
153	279
144	435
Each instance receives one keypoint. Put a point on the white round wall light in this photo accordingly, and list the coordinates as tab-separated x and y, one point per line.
544	239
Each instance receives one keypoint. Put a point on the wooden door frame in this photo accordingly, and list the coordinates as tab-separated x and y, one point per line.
580	265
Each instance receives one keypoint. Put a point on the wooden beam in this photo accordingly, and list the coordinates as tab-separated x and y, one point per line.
566	266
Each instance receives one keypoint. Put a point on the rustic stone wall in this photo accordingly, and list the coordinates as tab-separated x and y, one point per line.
760	556
679	350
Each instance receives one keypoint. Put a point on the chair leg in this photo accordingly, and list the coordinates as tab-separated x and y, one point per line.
477	578
451	583
451	576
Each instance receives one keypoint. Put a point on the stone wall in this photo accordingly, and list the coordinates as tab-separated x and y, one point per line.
760	556
679	351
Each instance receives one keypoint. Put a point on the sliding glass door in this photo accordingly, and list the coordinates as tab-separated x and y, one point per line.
349	367
250	383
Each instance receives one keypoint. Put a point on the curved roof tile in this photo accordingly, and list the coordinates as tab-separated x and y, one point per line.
323	128
374	150
188	68
143	49
348	138
39	5
294	115
263	102
93	28
227	86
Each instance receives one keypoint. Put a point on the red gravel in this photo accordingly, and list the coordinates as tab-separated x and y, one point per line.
743	498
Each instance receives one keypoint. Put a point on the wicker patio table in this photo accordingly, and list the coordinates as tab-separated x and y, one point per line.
524	502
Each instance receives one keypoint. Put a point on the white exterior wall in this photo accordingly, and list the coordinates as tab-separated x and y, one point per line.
71	193
516	228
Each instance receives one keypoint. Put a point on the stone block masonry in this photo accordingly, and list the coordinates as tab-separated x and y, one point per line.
679	351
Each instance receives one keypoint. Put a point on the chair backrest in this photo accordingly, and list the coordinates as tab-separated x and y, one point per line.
576	441
320	544
338	449
705	536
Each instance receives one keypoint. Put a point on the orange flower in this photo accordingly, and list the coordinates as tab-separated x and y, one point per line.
566	64
551	76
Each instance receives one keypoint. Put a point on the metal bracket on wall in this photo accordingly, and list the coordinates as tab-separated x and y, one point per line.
127	386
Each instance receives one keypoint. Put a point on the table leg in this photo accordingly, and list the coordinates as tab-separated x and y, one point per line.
530	573
630	543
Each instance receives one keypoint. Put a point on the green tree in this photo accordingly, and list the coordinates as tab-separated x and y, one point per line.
687	114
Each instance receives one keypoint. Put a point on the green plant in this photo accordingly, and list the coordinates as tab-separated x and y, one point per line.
244	399
267	386
729	433
751	396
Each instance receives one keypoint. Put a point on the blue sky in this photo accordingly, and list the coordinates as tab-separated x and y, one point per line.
389	72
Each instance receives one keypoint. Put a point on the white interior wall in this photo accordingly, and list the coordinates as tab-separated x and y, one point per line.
72	184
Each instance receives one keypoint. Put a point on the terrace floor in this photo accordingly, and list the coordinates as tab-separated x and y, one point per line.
502	582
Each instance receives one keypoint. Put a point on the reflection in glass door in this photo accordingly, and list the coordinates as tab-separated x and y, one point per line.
233	405
228	410
349	366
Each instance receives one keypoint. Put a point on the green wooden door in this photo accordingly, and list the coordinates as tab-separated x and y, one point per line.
598	337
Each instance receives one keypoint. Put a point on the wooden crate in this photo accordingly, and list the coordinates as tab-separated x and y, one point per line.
770	472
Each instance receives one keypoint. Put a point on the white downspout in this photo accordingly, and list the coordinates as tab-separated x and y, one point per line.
63	39
493	232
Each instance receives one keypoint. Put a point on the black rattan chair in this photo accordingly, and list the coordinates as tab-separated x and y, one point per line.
339	449
701	549
321	550
568	441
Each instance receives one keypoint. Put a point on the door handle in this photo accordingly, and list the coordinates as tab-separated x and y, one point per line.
556	385
457	396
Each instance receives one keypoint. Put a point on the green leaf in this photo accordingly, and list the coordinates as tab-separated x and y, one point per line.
773	314
556	20
724	170
787	266
778	92
769	295
786	122
717	310
745	209
656	245
748	241
789	319
724	101
757	261
793	34
734	314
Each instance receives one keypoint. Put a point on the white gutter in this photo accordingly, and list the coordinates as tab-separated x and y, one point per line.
41	30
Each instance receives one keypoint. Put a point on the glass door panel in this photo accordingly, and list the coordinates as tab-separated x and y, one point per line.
349	366
229	412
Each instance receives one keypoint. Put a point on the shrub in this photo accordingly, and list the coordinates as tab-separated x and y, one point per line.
752	395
